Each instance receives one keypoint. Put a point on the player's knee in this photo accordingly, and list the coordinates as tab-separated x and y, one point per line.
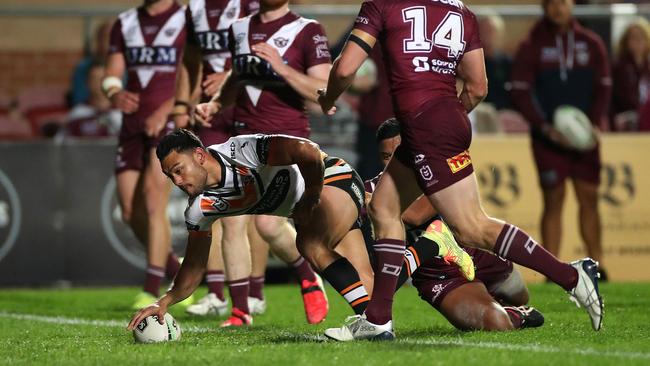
382	215
496	319
315	253
478	231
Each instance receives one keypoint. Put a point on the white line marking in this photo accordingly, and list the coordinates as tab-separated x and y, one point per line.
311	338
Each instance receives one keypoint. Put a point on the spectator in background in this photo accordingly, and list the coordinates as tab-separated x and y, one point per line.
79	91
563	63
95	117
497	63
631	76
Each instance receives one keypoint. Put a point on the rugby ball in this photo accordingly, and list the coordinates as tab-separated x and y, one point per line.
573	124
150	331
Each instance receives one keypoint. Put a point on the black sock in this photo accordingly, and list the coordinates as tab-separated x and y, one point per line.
423	251
345	280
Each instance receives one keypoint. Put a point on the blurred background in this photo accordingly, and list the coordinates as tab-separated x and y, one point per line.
59	219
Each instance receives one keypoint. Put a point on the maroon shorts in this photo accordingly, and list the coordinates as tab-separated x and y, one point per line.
220	130
491	270
134	144
555	165
435	144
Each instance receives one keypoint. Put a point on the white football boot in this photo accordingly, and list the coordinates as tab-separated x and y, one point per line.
209	305
358	327
586	293
256	306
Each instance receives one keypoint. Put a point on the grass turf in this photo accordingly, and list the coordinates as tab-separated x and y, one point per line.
56	327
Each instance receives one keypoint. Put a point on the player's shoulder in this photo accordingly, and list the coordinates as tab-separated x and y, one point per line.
193	211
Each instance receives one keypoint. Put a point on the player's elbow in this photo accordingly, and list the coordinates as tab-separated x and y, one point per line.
477	89
343	70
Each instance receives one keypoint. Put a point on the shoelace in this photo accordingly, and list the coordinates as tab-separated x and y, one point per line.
353	322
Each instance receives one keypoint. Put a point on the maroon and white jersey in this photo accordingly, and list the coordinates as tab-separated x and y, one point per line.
152	48
208	22
267	104
423	43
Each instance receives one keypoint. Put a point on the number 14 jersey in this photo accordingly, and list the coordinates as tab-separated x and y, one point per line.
423	41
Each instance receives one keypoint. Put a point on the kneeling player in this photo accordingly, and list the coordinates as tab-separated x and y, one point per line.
468	305
274	175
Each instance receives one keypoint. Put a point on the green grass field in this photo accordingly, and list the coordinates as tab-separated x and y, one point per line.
86	326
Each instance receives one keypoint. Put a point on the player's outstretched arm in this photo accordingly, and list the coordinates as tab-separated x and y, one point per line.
472	71
345	67
187	280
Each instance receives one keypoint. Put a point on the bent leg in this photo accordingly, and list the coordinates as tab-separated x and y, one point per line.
470	307
353	248
460	205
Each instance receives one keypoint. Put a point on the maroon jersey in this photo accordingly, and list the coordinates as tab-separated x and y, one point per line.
208	22
553	68
422	42
267	104
152	47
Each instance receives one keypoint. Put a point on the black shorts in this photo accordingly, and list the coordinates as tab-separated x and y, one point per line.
341	175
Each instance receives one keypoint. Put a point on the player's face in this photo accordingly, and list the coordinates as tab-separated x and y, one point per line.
559	11
387	148
186	171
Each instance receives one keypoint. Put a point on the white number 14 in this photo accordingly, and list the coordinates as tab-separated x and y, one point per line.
448	35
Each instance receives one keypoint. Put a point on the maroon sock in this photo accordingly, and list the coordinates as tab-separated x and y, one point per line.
239	294
389	256
256	287
152	281
304	270
515	245
173	265
215	280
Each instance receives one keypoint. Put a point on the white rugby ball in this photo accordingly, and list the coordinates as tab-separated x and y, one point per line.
573	124
150	331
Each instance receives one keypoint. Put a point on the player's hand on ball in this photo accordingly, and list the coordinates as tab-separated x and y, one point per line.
153	309
556	137
326	105
126	101
203	112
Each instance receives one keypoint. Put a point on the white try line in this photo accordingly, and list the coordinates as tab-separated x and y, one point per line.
60	320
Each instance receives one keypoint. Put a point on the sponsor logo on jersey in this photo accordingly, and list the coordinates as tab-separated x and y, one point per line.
275	194
159	55
319	39
322	51
258	36
10	215
214	13
214	203
418	158
362	20
213	41
459	162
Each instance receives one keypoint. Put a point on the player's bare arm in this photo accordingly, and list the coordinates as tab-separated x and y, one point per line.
284	150
305	84
112	87
472	71
356	51
187	280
